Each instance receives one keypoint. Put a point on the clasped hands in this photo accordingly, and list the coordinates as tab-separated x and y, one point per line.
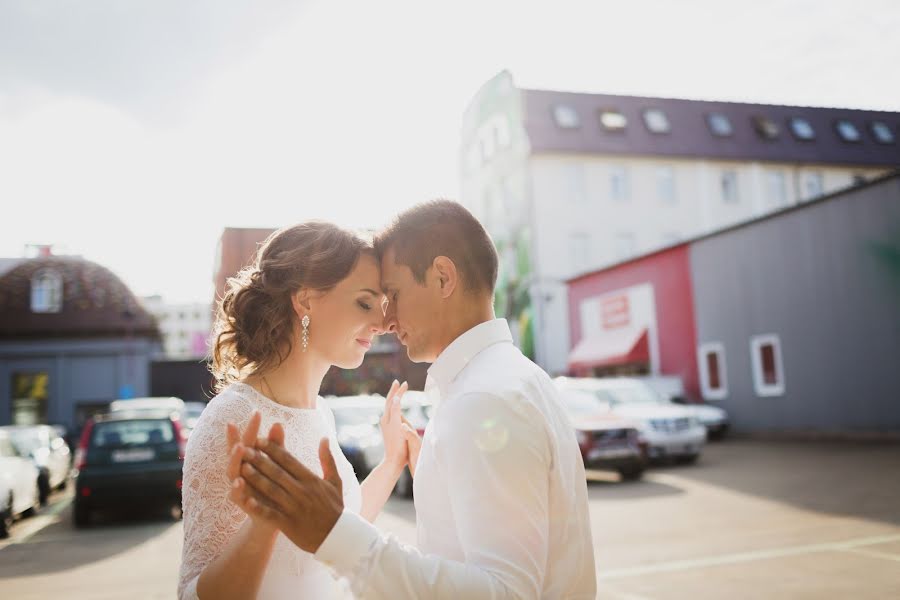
280	493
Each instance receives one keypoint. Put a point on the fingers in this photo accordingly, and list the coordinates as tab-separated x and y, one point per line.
269	490
390	395
410	433
255	504
329	469
233	469
252	430
279	456
395	405
276	434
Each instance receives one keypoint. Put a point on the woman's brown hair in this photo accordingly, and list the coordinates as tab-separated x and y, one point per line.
254	327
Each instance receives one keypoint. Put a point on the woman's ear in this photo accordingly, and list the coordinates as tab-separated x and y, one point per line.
300	302
448	276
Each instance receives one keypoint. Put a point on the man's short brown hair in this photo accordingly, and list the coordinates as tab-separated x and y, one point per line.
442	228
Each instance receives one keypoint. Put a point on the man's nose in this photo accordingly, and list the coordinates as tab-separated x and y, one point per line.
389	324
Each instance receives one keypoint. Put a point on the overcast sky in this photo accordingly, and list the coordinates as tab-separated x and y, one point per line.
132	132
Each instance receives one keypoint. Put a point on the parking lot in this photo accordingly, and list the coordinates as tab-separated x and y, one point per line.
751	519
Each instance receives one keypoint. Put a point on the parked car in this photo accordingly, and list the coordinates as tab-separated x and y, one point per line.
671	431
671	388
192	412
608	441
714	418
46	448
19	493
129	457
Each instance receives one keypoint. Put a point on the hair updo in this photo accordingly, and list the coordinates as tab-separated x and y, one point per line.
254	327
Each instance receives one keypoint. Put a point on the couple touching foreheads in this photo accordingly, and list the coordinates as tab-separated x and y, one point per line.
272	508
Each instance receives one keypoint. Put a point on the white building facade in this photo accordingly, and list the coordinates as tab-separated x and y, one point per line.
568	183
185	327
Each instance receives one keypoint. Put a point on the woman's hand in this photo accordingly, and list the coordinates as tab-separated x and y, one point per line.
395	446
237	446
413	444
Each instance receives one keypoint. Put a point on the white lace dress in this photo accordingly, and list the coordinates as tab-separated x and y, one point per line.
210	519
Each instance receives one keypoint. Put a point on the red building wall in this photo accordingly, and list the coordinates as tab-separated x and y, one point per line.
669	272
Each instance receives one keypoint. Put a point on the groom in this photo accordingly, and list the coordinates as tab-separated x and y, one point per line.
500	489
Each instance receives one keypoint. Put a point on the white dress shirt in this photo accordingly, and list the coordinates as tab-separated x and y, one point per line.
500	490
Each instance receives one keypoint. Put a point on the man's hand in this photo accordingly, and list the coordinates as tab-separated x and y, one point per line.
413	444
395	447
275	487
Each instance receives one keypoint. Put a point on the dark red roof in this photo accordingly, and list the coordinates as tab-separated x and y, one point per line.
95	303
690	134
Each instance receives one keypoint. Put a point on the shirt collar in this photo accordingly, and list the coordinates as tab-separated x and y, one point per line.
462	350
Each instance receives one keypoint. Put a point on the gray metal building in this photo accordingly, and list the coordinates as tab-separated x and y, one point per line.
798	315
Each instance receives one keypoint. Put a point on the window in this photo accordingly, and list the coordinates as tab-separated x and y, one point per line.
573	183
618	183
30	397
847	131
580	251
656	121
768	371
776	193
625	246
802	129
566	117
766	128
812	185
713	375
665	184
46	292
612	120
882	132
729	186
719	125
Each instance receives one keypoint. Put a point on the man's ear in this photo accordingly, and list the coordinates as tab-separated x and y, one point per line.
447	275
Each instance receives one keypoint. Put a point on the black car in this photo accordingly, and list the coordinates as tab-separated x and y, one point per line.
129	459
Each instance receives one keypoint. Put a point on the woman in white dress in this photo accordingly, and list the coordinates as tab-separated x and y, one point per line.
310	301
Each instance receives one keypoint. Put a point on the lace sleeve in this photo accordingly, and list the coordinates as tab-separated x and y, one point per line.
210	519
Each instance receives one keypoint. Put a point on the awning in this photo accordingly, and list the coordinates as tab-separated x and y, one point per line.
617	347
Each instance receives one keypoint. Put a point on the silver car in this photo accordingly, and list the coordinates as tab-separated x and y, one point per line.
671	431
43	445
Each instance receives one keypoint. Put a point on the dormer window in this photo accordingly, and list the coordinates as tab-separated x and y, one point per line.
719	125
802	129
766	128
656	121
848	131
46	292
566	117
612	120
882	132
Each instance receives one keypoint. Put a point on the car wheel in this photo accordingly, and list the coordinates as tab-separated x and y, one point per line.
44	488
33	509
688	459
81	514
632	474
6	518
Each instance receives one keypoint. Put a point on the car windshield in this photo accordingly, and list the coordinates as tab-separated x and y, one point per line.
27	442
140	432
624	394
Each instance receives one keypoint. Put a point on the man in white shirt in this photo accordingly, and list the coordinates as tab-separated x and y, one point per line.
500	489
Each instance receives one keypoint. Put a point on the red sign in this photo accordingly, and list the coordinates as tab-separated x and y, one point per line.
615	312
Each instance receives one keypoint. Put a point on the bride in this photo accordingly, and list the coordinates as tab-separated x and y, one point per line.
310	301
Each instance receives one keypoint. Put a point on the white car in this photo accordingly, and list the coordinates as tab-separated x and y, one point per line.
671	431
43	445
19	493
671	388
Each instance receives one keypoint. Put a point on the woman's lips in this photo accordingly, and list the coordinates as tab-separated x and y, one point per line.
364	343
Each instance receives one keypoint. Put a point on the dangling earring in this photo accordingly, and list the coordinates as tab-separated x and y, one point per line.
304	338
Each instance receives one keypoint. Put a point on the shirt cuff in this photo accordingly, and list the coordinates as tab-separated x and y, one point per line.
348	542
